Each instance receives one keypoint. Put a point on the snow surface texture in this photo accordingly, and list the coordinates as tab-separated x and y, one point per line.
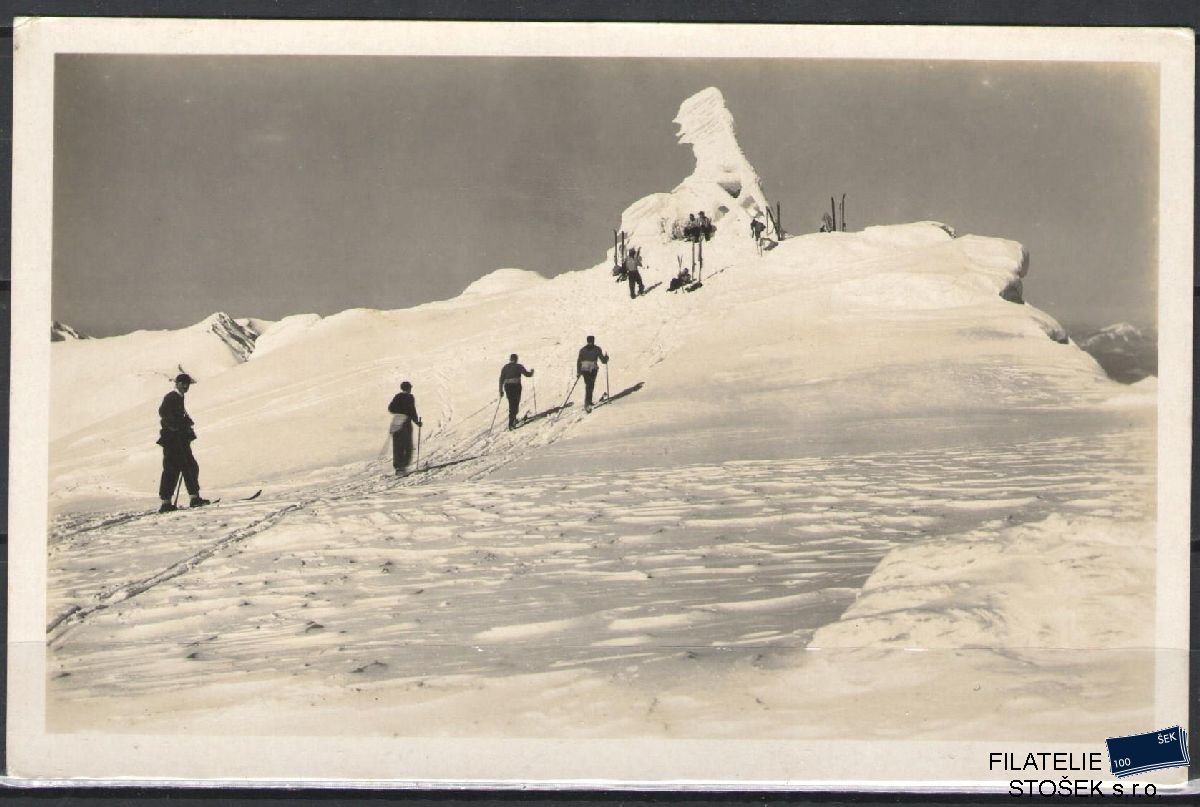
847	448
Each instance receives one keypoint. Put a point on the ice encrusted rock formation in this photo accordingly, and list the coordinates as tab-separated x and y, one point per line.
706	124
723	184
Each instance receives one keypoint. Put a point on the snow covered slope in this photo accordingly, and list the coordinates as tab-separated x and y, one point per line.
93	379
828	330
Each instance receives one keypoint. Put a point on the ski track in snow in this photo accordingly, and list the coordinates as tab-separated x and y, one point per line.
453	575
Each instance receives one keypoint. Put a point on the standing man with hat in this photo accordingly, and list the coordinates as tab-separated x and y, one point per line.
404	409
175	435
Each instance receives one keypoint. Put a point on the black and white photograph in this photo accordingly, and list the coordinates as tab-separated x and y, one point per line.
550	404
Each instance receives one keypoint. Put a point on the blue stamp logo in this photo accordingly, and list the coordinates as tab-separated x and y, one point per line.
1152	751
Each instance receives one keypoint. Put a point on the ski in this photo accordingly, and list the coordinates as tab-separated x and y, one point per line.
543	414
616	396
440	465
212	502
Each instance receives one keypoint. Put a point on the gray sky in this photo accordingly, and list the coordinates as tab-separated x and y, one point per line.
268	186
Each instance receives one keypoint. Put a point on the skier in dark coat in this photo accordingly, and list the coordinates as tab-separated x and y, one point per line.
175	435
591	356
633	272
510	385
404	407
757	227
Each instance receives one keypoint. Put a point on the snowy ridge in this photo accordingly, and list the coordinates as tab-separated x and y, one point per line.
501	281
280	333
95	379
823	324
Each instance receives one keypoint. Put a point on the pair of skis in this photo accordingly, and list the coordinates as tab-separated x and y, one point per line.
217	500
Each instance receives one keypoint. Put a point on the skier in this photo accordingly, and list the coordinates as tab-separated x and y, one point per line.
175	436
757	226
587	365
404	408
691	228
633	267
510	385
706	227
680	280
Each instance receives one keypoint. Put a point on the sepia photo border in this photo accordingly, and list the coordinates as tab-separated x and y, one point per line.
550	763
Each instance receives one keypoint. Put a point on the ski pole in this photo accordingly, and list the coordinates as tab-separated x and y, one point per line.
178	485
418	462
501	398
606	390
533	383
564	403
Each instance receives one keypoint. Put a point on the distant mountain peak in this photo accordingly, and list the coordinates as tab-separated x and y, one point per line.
1126	352
1117	332
1123	329
237	337
61	332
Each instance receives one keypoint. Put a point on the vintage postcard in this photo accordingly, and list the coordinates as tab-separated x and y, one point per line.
577	405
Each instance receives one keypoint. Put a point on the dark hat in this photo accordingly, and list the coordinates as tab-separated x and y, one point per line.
404	385
184	378
512	357
591	339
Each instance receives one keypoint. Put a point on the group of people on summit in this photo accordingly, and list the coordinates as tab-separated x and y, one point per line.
697	228
177	432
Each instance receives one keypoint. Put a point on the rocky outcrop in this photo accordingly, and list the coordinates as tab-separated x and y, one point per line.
60	332
238	338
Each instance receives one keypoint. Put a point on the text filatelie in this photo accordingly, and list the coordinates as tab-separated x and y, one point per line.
1045	761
